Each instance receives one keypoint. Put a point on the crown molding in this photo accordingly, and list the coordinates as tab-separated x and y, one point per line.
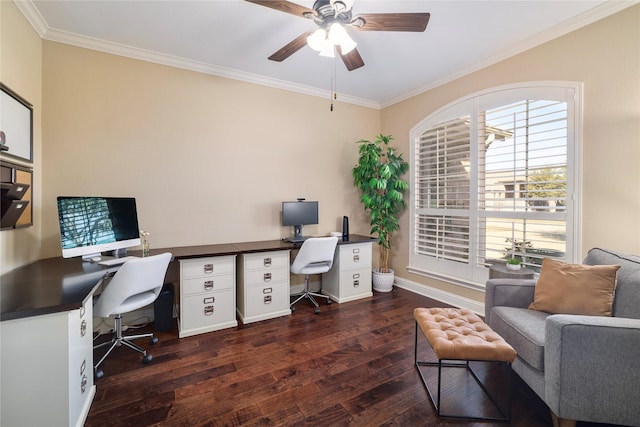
595	14
36	20
34	17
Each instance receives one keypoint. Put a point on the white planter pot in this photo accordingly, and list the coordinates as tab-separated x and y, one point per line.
383	282
513	266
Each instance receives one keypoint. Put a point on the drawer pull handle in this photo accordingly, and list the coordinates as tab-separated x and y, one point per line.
209	300
267	290
208	268
267	262
267	277
83	384
356	258
356	283
356	276
267	299
83	366
208	310
208	285
83	328
356	250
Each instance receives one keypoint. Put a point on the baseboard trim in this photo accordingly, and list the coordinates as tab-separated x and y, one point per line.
440	295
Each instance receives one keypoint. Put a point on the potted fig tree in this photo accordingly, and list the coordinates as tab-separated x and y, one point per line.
378	175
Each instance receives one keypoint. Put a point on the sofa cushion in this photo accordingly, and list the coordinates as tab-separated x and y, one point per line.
524	329
627	297
575	289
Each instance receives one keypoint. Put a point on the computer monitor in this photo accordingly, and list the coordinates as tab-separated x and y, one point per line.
297	214
91	225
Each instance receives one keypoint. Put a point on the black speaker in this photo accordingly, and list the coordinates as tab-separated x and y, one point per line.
345	228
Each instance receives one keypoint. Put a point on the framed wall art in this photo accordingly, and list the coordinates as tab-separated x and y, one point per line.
16	125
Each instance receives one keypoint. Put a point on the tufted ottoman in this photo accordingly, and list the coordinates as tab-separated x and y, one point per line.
457	337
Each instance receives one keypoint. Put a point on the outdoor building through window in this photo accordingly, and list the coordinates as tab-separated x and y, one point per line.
494	177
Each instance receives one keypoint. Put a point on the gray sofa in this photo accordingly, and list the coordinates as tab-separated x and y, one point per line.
584	368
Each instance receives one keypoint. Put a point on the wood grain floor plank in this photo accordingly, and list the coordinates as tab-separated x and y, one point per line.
351	365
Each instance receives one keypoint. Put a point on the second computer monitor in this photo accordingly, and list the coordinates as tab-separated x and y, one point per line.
297	214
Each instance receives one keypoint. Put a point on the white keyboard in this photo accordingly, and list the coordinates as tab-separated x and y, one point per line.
117	261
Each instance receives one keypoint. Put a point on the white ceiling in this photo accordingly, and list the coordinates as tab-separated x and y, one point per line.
233	38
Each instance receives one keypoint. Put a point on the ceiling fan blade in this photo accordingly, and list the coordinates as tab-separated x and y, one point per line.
285	6
352	60
416	22
290	48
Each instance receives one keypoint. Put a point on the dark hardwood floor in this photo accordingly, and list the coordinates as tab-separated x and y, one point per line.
353	364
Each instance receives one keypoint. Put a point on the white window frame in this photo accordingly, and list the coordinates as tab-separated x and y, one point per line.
473	275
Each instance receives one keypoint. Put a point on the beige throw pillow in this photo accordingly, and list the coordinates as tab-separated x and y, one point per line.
575	289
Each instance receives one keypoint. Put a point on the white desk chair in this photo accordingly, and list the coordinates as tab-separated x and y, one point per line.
314	257
137	283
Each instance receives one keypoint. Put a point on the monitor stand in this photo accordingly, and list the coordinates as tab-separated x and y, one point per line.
92	257
297	235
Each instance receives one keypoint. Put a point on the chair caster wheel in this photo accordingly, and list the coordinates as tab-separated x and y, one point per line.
153	341
97	375
293	310
329	301
147	359
317	310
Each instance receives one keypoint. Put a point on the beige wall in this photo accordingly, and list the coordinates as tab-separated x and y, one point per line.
605	56
208	159
21	70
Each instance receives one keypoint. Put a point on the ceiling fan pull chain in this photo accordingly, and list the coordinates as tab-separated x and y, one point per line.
333	83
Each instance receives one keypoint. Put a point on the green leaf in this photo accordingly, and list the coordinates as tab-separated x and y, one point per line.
378	176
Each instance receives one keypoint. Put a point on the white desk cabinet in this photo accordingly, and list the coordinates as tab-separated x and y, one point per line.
47	368
263	285
350	277
207	295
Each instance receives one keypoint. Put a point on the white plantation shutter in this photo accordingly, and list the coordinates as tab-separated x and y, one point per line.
443	237
442	182
493	176
523	191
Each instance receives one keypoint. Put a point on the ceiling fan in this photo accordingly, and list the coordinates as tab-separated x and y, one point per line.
332	16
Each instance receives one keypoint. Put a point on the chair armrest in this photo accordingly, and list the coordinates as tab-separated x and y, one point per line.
592	368
507	292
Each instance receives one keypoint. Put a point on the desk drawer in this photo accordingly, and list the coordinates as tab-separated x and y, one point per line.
355	282
208	309
354	256
266	299
207	284
207	266
266	276
266	260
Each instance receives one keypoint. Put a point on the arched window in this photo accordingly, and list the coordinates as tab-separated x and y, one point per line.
495	175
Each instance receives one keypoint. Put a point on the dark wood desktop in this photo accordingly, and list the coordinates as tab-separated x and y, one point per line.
57	284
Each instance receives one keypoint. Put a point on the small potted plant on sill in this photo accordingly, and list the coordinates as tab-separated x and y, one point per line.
513	263
378	175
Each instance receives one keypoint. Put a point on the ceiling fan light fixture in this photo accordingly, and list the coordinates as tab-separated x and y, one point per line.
328	49
316	40
339	36
347	45
337	33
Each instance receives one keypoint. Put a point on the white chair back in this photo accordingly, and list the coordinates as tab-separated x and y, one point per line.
315	256
137	283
